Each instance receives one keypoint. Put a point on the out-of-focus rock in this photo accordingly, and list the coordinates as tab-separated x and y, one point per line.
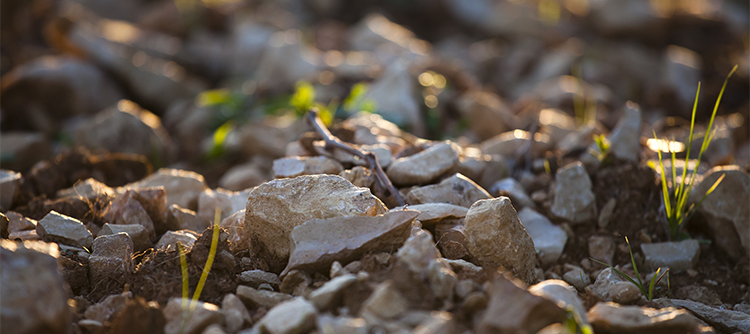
269	137
191	320
182	187
4	223
255	278
497	238
556	124
726	320
394	93
549	239
17	222
235	226
276	207
513	144
613	318
513	189
261	298
418	252
680	74
319	242
105	309
385	302
601	248
297	166
243	176
637	18
625	140
285	61
9	183
487	113
170	239
250	40
576	277
563	294
456	190
326	296
235	313
34	299
294	316
359	176
725	210
136	232
341	324
21	150
55	227
424	166
574	200
185	219
88	189
609	286
229	202
677	256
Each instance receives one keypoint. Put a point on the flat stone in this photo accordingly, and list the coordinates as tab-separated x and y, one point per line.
9	183
27	235
563	294
497	238
105	309
235	226
457	190
726	320
324	297
319	242
549	239
433	213
111	258
609	286
182	187
192	319
602	248
276	207
613	318
255	278
236	315
297	166
725	210
418	252
34	299
528	313
17	222
186	219
261	298
87	189
126	210
170	239
55	227
625	139
293	316
574	200
676	256
136	232
385	302
424	166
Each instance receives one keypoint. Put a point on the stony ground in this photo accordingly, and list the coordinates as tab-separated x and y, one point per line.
378	167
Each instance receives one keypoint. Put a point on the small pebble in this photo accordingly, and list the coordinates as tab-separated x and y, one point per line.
692	272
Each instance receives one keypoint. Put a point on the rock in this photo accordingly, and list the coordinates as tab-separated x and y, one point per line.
249	39
254	278
326	296
285	61
527	313
497	238
680	73
143	130
24	235
433	213
297	166
574	200
627	17
269	137
9	183
513	144
296	283
228	201
563	294
88	189
512	189
385	302
319	242
276	207
341	324
111	259
34	299
456	190
235	226
549	239
613	318
625	139
261	298
294	316
424	166
602	248
137	234
677	256
726	320
452	241
185	316
243	176
556	124
21	150
724	210
442	279
418	252
609	286
182	187
4	222
170	239
699	294
55	227
359	176
138	317
42	93
235	313
17	222
394	93
103	311
487	113
127	210
576	277
185	219
154	201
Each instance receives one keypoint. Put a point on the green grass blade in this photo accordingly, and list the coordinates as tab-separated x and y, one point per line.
652	284
665	190
622	274
185	278
632	260
210	260
690	137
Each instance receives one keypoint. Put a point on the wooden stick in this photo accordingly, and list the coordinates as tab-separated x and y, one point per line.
332	142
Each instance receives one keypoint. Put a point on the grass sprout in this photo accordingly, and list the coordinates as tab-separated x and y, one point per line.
602	152
647	291
676	199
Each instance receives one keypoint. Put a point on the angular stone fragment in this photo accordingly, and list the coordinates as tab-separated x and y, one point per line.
625	140
341	324
9	183
442	279
17	222
261	298
137	233
319	242
418	251
513	143
576	277
185	219
677	256
549	239
55	227
385	302
561	293
424	166
87	189
513	189
324	297
170	239
235	313
457	190
229	202
235	226
33	297
433	213
276	207
726	320
294	316
108	307
497	238
613	318
609	286
185	321
182	187
296	166
255	278
126	209
574	200
488	115
111	258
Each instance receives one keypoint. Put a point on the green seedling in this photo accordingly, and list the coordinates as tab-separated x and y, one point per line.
602	151
647	291
573	323
677	211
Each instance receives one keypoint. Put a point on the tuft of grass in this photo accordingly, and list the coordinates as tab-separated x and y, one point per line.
602	151
676	208
647	291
